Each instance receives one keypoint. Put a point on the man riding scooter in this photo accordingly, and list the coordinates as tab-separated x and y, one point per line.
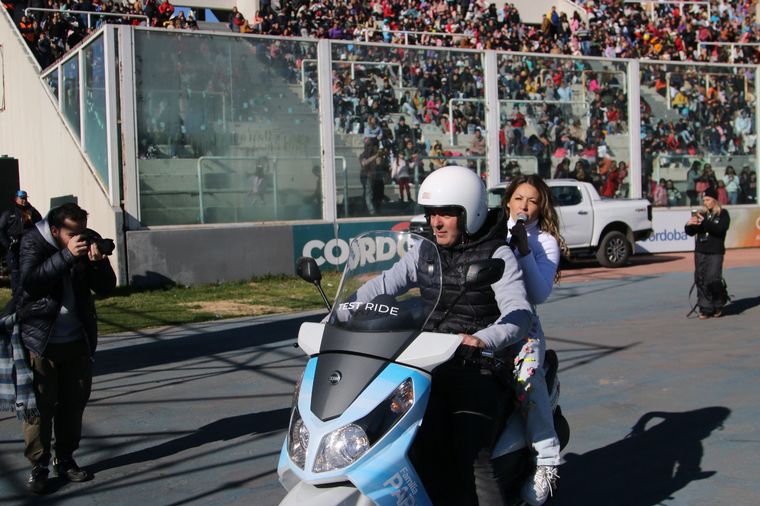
468	400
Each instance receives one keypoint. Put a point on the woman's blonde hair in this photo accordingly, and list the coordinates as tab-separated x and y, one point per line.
548	220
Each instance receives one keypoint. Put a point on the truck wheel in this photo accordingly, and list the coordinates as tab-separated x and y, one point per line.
614	250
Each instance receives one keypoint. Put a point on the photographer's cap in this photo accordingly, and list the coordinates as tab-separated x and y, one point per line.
21	194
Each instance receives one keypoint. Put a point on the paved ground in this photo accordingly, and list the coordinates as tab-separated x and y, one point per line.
195	414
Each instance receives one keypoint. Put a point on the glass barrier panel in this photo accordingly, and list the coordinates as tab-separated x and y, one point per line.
395	108
52	81
70	95
564	118
226	130
698	131
94	110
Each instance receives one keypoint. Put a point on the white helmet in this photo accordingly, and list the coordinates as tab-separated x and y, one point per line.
454	186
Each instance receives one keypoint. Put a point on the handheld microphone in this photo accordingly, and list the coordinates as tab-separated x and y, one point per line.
522	218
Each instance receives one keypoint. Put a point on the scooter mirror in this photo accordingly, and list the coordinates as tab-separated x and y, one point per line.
484	273
308	270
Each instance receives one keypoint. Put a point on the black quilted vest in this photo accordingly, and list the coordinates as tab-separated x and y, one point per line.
473	310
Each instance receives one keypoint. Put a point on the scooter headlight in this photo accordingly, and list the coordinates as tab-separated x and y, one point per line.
344	446
298	439
388	413
341	448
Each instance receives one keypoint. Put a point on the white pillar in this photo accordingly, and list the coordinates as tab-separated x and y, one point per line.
634	129
326	130
491	79
128	140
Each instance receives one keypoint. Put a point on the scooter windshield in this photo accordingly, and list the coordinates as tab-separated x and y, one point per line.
391	283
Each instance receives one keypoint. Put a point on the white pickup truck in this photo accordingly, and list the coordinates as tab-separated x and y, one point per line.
591	225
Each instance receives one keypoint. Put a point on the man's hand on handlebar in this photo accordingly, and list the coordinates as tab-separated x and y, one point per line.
470	340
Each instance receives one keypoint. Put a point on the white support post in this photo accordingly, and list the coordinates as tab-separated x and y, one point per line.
112	140
634	129
327	130
493	124
129	170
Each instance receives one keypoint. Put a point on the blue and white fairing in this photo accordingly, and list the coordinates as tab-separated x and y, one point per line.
364	391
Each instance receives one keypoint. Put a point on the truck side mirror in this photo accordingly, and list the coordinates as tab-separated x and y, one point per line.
484	273
308	270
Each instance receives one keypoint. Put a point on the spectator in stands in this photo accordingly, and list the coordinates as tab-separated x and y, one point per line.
235	20
708	176
580	173
749	189
661	194
613	181
369	160
674	195
692	176
563	169
722	193
518	123
165	10
731	185
402	132
436	156
401	175
372	129
743	182
478	144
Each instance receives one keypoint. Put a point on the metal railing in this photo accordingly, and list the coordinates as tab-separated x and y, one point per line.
681	4
452	140
353	64
89	14
368	32
622	82
275	185
706	75
732	46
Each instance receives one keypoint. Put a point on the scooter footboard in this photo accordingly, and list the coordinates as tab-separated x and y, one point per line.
332	495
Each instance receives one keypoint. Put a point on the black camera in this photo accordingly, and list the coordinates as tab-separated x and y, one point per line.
105	246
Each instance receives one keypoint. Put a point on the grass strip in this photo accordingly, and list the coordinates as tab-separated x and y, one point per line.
128	309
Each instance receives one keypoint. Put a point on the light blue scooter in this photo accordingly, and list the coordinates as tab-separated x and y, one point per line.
363	394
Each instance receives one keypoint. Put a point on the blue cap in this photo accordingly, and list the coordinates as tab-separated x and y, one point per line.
21	194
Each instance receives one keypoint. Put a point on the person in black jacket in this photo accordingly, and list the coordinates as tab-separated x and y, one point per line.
59	269
710	226
20	217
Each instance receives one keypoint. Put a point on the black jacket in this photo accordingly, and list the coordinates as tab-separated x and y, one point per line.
12	224
43	267
711	233
471	310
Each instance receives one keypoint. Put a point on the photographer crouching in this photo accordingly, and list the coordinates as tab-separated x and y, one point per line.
62	263
710	225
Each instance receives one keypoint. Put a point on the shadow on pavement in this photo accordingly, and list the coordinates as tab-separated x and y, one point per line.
646	467
220	430
737	307
200	344
638	259
580	353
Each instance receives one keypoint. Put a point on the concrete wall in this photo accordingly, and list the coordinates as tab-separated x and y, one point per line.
51	164
190	255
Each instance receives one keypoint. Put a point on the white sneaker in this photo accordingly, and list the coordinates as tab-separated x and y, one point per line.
540	486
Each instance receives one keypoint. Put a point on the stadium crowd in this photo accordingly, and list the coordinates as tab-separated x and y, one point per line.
51	34
557	110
